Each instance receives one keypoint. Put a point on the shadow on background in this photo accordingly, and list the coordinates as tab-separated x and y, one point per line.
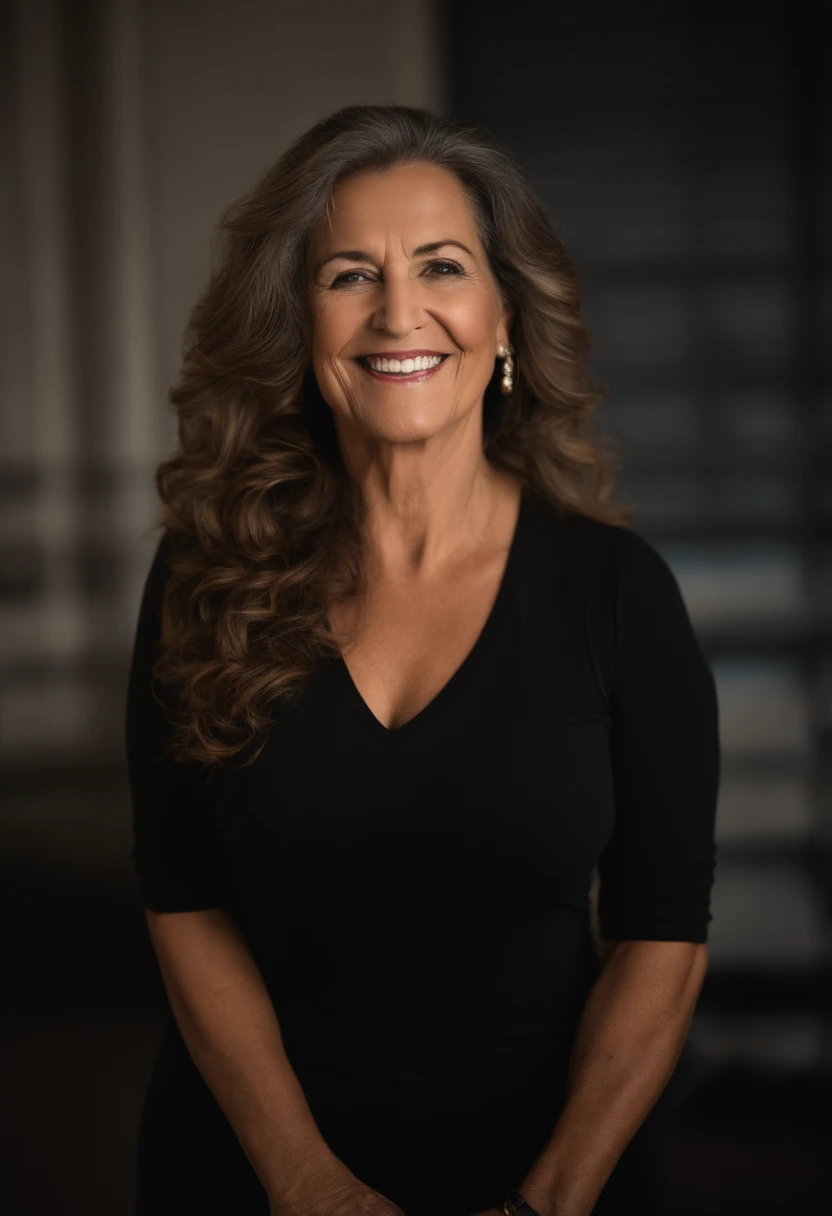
684	152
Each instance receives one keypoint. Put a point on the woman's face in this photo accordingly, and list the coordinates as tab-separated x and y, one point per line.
406	315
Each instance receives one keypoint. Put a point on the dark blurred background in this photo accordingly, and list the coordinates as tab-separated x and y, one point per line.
684	153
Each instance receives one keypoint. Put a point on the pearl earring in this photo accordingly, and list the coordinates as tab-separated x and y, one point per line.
507	382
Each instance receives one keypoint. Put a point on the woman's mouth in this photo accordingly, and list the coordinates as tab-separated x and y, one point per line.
413	367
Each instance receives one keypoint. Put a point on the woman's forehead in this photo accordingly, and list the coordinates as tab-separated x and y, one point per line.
412	204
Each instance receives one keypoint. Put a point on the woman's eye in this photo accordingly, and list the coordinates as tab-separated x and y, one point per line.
445	270
442	270
348	278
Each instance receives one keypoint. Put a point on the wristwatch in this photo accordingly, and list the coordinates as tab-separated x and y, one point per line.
515	1205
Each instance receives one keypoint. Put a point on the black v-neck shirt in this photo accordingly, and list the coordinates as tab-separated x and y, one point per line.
418	899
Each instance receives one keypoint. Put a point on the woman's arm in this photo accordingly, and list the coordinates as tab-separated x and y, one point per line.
217	994
632	1031
656	873
230	1027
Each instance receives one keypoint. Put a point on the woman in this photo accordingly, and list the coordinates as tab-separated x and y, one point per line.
415	679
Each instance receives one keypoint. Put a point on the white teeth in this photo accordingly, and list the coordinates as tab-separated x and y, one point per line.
405	367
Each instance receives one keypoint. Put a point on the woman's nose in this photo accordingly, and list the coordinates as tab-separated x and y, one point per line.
399	308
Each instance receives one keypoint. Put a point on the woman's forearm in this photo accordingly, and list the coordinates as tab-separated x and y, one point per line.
632	1031
230	1027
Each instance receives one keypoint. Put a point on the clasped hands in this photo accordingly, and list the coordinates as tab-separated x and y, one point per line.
331	1189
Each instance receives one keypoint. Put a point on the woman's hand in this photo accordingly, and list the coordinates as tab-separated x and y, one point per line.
329	1188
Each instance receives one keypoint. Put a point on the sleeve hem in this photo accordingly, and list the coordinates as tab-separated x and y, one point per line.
193	901
656	933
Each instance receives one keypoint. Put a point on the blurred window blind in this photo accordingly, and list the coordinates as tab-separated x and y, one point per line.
682	152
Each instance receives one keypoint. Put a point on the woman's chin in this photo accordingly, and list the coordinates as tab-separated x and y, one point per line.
399	424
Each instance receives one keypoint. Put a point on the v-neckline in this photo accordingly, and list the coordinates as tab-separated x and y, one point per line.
471	659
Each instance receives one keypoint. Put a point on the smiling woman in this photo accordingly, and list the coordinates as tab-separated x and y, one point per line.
379	226
403	679
398	290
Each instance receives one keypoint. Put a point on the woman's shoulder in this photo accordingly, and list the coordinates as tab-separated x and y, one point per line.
563	526
621	550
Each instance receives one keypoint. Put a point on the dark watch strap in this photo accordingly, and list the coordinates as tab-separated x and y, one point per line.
515	1205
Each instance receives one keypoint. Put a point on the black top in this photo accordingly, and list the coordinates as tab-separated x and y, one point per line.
417	899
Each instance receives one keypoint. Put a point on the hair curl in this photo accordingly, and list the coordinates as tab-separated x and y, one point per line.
264	523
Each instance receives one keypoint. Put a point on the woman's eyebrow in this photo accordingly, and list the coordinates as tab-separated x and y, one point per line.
360	255
349	255
434	245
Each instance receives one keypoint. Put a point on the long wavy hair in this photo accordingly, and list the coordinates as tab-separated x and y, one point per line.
263	523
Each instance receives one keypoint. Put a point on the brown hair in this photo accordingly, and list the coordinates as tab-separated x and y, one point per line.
265	523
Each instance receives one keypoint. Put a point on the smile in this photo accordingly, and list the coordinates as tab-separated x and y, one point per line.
412	367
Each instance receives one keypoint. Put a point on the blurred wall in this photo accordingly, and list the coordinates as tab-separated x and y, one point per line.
129	125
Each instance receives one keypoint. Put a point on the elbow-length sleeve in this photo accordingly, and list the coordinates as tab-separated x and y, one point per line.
176	850
657	870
